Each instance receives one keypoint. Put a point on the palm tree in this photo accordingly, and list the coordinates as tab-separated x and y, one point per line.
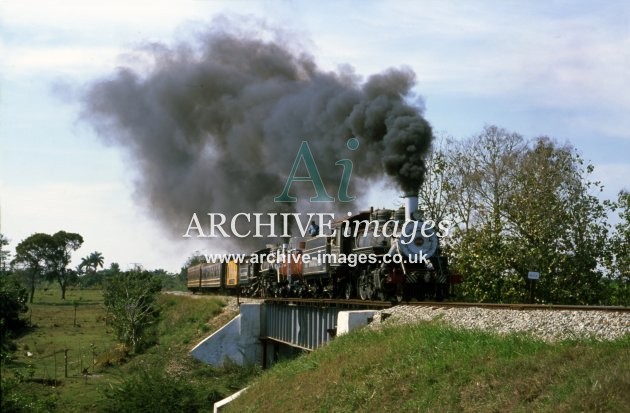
96	259
91	262
85	264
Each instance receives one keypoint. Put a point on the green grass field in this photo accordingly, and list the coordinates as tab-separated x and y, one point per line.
434	368
95	362
423	367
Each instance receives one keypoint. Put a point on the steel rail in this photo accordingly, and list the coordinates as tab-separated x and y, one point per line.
325	302
522	307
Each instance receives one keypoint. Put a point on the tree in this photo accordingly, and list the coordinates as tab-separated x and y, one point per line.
84	266
523	206
49	256
91	262
4	254
479	185
557	227
12	304
435	196
168	280
64	244
32	257
130	298
97	260
90	277
492	157
194	259
618	259
114	268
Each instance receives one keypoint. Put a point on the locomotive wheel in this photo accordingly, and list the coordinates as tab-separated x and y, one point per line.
348	292
399	295
366	290
381	292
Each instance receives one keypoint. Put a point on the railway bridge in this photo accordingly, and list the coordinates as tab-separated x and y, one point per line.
275	329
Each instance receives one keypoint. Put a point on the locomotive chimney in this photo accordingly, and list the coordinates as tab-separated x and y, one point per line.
411	206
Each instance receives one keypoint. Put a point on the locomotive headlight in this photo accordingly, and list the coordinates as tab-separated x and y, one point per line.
419	241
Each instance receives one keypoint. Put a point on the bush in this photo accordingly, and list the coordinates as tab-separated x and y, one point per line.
130	299
150	390
14	400
12	303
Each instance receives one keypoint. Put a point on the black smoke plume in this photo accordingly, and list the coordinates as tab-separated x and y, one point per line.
215	125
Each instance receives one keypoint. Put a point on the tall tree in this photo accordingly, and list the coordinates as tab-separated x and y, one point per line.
435	195
493	156
524	206
65	243
480	184
48	256
32	255
91	262
618	260
84	265
557	226
97	260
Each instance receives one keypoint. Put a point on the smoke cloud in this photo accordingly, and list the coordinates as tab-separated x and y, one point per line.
215	125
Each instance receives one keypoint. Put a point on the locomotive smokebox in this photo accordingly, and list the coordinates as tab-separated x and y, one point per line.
411	206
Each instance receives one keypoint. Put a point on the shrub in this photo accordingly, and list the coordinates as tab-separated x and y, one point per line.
151	390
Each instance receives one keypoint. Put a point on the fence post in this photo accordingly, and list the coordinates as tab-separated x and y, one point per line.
93	356
65	363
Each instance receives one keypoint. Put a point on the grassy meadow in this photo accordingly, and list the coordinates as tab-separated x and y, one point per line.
98	367
434	368
423	367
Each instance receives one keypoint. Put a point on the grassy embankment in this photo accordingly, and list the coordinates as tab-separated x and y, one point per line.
96	363
429	367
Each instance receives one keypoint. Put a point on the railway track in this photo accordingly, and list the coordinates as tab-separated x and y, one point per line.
327	302
554	307
322	302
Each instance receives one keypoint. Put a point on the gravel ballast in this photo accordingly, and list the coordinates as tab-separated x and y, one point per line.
548	325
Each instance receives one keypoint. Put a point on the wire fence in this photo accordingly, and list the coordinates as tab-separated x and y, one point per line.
64	363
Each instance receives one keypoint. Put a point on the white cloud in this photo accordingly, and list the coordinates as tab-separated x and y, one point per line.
472	49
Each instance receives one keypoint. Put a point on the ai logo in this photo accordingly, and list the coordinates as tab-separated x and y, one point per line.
304	155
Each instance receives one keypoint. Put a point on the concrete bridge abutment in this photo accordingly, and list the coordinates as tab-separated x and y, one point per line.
264	333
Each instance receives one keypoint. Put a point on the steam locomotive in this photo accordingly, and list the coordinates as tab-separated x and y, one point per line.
400	261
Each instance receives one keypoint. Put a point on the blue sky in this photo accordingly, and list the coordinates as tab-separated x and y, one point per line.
555	68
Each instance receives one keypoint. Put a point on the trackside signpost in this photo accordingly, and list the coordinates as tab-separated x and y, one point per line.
532	277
